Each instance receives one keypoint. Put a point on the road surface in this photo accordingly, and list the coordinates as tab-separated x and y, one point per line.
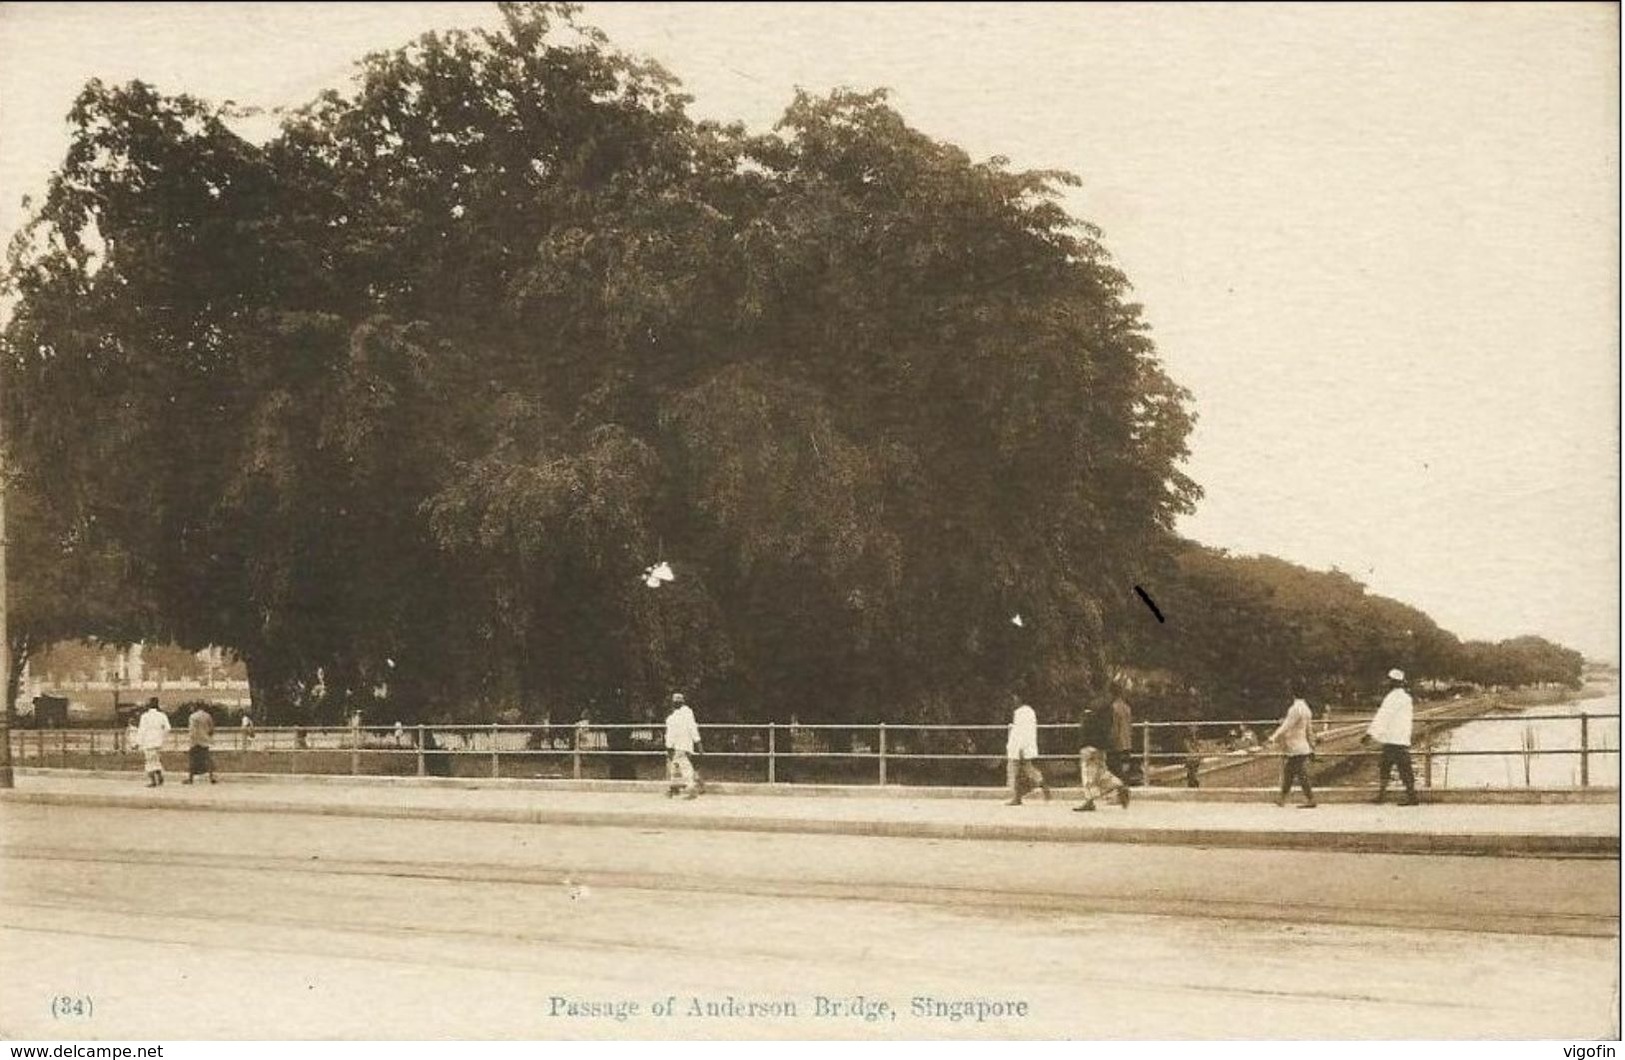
206	925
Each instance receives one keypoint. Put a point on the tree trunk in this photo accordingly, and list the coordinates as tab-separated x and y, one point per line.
267	693
21	648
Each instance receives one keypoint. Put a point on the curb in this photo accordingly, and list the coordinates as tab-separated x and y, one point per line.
1459	844
1439	796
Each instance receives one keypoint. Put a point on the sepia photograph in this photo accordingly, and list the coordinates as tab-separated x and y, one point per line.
672	522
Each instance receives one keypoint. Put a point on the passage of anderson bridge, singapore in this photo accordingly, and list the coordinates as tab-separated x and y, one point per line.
858	1007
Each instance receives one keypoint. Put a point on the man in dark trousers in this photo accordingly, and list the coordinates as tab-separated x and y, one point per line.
1293	736
1392	729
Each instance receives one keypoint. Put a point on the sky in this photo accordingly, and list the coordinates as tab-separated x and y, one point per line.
1378	244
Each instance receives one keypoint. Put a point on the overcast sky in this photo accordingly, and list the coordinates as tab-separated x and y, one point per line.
1379	244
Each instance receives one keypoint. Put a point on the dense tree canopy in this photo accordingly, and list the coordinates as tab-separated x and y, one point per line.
403	401
400	405
1244	631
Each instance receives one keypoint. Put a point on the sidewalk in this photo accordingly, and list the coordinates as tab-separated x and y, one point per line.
1559	830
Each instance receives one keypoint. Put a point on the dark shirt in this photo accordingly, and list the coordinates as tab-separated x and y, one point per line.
1122	726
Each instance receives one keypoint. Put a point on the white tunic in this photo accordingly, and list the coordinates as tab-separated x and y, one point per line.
1393	721
1294	730
150	733
682	731
1023	740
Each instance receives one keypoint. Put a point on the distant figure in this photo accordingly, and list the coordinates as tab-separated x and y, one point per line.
200	733
1392	729
682	741
246	737
1191	746
1120	751
150	732
1098	781
1293	732
1021	753
400	734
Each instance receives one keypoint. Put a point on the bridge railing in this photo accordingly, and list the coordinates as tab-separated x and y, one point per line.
949	755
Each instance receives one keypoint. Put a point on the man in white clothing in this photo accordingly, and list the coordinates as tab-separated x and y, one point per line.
1021	751
1293	734
1392	729
682	741
150	733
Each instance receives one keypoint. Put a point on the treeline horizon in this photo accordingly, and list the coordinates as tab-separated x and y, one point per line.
1245	632
403	405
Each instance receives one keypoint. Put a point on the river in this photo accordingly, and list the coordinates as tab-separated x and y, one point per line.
1544	728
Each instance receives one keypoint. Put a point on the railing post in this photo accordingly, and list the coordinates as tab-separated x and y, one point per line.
575	751
883	754
1427	762
423	765
1585	749
64	734
1145	753
355	751
772	749
496	769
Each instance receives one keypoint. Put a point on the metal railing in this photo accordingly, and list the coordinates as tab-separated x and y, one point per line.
881	753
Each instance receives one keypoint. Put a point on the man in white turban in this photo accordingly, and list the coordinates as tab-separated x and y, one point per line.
1391	728
682	741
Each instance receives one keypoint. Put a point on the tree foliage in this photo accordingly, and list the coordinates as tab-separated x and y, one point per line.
1244	631
399	404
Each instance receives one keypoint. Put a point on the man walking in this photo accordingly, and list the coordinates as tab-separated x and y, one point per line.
200	732
1293	733
150	733
1021	753
682	741
1392	729
1120	749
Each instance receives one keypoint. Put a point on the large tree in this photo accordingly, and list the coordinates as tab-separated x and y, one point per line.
404	401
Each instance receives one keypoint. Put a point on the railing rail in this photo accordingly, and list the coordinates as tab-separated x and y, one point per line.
886	746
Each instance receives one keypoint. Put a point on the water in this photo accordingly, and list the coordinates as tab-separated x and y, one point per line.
1511	733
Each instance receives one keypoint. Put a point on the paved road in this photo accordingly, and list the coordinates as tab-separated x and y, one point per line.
248	926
